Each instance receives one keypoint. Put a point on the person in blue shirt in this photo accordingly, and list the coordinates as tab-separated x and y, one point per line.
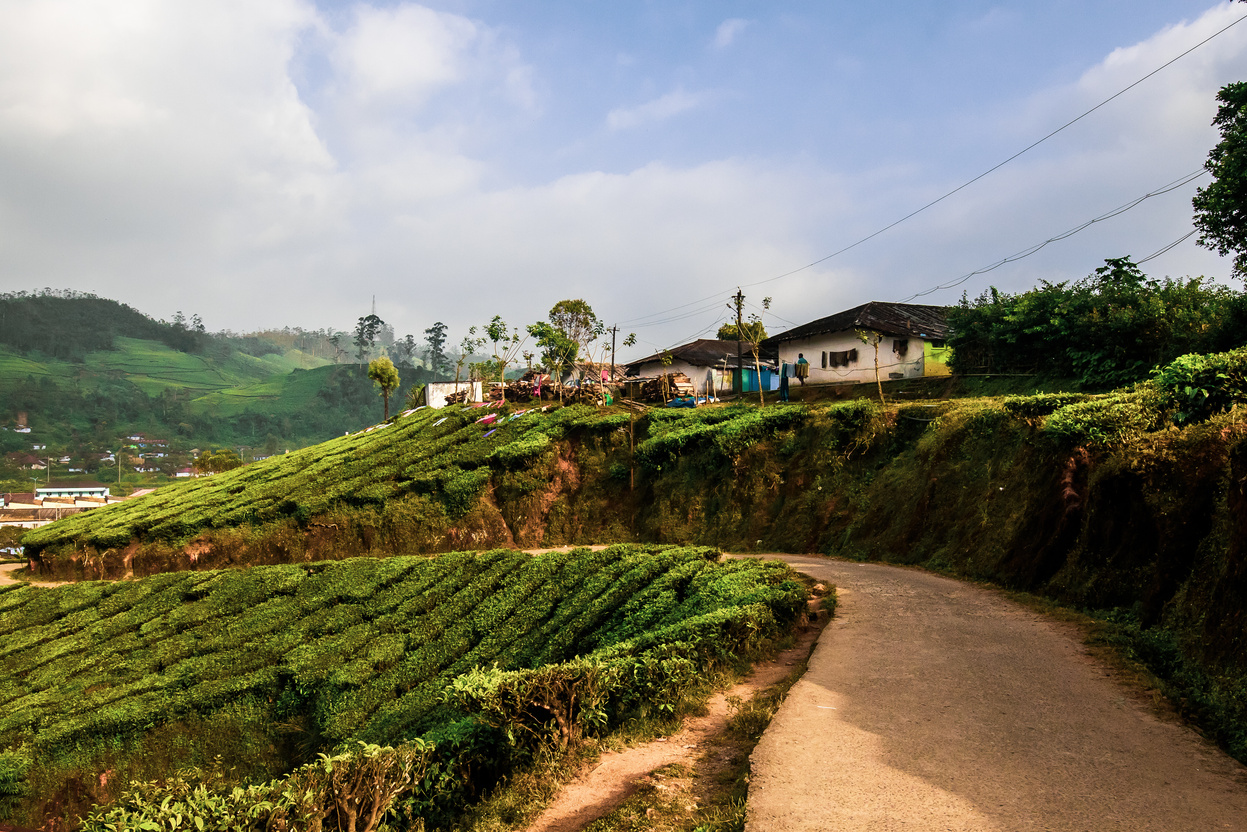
803	368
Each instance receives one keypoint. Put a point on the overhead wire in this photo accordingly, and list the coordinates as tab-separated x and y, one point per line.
1176	242
1036	248
996	167
636	321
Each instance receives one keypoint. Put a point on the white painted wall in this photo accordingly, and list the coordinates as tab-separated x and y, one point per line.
909	366
436	392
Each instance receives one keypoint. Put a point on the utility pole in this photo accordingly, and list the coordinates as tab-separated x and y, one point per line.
738	300
614	332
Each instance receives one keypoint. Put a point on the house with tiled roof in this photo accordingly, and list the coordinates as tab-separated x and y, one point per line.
908	339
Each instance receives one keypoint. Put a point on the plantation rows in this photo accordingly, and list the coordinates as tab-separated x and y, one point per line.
365	647
446	455
436	453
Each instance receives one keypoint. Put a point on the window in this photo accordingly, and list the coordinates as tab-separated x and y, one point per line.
824	359
842	359
901	346
939	345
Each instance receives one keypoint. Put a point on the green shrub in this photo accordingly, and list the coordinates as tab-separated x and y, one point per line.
1040	404
1199	386
1108	419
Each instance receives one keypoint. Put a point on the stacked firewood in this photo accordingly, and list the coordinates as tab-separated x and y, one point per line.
666	387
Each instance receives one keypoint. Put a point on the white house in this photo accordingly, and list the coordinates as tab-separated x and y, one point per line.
841	348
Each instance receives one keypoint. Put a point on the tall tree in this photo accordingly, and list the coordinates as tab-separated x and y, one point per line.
405	350
1221	207
435	337
385	375
572	327
366	330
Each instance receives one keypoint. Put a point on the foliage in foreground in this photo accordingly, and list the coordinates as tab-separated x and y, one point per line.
351	792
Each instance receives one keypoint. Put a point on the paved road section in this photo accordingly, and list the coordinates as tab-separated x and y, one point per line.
930	704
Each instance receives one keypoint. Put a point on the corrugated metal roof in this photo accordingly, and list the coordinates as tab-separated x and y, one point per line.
901	319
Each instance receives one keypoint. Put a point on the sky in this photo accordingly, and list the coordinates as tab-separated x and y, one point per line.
270	163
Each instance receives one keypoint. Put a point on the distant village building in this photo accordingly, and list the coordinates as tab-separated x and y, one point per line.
912	343
73	491
51	503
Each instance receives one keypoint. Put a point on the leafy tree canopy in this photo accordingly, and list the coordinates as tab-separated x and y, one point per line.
214	462
367	329
385	375
1108	329
1221	207
435	337
730	332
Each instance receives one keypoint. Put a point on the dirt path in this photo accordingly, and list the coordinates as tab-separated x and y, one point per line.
6	576
935	705
618	774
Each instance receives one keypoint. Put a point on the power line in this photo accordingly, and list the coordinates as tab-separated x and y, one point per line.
1027	252
996	167
964	185
1181	239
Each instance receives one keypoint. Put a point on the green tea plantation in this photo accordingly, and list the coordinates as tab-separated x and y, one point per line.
462	662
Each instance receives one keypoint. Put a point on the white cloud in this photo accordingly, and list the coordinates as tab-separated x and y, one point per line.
659	109
406	52
728	30
165	155
1151	135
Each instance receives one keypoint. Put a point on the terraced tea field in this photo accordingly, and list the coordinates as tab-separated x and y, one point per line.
98	676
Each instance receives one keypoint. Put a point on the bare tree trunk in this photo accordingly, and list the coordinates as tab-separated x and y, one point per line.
878	383
757	364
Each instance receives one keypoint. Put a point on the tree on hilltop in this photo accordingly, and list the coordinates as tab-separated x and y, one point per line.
435	337
385	375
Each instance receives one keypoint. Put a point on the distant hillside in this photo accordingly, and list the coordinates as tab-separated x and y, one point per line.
85	370
69	325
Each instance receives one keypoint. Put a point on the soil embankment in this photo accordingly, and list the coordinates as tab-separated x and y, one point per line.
934	704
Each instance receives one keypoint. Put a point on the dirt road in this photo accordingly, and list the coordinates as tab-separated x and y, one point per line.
934	705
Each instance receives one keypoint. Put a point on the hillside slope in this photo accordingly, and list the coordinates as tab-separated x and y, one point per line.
83	371
1101	502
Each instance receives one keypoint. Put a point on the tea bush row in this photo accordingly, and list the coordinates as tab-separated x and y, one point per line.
362	648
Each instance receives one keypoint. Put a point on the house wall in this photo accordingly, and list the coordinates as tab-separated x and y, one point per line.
701	376
935	359
891	365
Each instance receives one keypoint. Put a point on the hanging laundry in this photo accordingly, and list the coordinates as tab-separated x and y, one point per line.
491	433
